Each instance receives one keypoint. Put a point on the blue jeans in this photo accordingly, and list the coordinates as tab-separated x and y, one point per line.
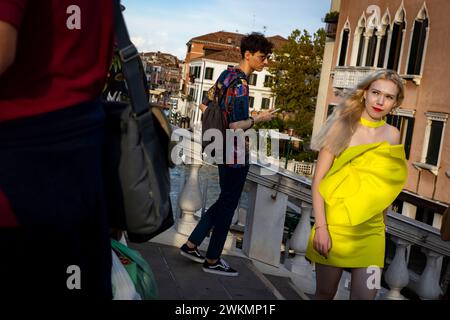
220	214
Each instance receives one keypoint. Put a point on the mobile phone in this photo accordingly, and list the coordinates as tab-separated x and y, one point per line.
276	110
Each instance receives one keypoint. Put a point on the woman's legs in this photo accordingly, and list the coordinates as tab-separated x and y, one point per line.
365	283
327	281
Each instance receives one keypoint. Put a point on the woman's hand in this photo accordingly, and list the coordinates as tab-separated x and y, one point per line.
322	241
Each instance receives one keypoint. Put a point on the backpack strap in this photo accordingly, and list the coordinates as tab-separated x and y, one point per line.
230	85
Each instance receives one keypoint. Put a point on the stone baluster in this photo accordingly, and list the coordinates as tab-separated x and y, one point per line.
299	243
190	201
397	275
427	288
242	215
264	224
235	218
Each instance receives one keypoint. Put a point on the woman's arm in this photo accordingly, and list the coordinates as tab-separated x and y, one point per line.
8	43
322	241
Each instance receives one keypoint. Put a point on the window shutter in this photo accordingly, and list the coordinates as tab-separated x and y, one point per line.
434	143
408	137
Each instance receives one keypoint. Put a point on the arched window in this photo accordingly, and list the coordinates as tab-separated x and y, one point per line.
383	46
418	43
371	48
384	31
361	30
395	49
344	44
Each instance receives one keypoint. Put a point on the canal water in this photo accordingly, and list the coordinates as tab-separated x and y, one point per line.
208	176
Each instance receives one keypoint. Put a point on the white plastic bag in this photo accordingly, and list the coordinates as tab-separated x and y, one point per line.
122	286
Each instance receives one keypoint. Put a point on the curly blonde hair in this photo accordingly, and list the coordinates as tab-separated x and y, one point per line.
340	126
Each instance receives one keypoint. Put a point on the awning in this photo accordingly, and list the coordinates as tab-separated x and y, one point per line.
157	91
282	136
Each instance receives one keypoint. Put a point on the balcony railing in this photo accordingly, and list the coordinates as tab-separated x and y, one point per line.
349	77
330	29
331	20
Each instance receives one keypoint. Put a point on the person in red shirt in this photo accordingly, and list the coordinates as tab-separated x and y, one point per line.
54	234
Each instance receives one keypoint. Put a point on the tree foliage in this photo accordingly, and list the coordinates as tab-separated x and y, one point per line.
296	69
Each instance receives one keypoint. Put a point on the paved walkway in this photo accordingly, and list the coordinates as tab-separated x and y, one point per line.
181	279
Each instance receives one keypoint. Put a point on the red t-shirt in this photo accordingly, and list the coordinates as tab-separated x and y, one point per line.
63	54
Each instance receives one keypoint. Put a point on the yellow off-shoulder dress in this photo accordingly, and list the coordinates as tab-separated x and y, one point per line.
362	182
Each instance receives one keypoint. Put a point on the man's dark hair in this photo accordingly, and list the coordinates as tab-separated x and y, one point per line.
255	42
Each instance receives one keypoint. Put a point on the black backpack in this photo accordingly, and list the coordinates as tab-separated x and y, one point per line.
214	117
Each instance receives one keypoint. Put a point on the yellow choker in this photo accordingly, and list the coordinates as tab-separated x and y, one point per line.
371	124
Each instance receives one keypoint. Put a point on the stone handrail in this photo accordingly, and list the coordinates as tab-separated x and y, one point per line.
416	232
282	181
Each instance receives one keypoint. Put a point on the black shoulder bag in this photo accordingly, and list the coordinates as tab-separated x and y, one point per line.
136	159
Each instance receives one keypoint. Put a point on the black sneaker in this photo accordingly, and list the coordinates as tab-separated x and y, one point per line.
220	267
192	254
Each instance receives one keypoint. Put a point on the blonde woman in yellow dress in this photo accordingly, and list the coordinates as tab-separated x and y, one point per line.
360	170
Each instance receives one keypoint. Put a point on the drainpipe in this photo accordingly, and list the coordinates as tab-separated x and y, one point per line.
201	84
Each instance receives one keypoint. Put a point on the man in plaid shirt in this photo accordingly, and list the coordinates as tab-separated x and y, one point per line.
232	92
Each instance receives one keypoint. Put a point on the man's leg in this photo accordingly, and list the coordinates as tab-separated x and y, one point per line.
208	220
204	226
232	181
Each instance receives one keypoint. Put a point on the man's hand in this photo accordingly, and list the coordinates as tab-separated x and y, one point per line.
264	116
8	43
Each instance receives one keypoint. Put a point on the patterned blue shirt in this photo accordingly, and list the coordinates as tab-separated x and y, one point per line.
231	89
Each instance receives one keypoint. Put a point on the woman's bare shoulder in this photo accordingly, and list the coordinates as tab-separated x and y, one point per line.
392	134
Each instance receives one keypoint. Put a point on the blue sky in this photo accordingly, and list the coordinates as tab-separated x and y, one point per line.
166	26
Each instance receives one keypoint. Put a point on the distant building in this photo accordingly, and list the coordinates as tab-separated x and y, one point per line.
163	72
207	56
410	37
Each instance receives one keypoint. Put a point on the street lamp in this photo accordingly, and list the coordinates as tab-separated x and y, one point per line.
288	150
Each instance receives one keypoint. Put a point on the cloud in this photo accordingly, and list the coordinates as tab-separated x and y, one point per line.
139	41
167	27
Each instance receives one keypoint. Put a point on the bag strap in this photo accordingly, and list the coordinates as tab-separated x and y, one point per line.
129	57
139	104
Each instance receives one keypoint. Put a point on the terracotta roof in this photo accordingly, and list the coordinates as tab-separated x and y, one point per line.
230	55
228	43
278	41
221	37
217	46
